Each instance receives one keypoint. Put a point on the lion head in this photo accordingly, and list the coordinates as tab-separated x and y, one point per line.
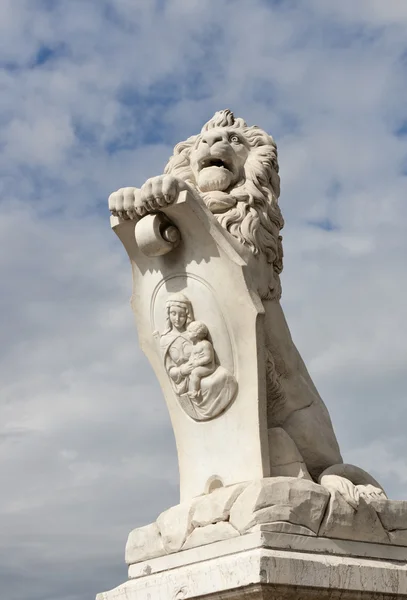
235	170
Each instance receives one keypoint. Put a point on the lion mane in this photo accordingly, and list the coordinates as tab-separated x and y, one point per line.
255	220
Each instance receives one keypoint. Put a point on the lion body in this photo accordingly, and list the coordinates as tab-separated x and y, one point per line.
249	211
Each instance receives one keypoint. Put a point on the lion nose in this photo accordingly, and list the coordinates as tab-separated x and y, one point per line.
212	138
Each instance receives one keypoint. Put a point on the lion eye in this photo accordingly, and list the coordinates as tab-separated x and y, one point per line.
234	138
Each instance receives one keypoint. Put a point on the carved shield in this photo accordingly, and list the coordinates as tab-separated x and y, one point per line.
201	329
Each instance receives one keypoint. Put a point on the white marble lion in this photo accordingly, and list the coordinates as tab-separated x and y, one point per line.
234	169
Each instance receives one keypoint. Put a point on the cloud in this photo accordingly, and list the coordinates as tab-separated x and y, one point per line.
93	97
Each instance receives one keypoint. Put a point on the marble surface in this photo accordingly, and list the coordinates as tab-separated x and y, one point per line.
192	284
204	241
283	504
270	565
257	451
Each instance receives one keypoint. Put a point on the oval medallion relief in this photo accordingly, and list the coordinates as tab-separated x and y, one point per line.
195	346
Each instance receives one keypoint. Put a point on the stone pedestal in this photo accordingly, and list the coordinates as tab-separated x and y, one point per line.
268	508
274	566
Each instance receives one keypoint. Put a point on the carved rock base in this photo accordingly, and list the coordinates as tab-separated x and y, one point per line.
273	566
285	504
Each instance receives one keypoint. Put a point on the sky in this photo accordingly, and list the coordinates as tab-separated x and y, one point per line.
94	95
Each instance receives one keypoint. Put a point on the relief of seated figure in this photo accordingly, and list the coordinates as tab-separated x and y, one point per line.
204	388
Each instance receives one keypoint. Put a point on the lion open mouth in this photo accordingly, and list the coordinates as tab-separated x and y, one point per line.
213	162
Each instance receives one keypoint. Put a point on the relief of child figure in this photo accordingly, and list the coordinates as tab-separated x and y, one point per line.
201	362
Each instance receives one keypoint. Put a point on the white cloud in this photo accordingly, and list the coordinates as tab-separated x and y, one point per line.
87	448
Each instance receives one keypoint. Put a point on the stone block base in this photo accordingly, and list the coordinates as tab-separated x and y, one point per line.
273	566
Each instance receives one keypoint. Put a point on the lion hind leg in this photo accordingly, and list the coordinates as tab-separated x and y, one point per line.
285	458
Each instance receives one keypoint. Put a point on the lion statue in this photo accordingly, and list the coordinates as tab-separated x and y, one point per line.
234	169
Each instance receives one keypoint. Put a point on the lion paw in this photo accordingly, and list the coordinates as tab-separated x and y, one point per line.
371	492
126	203
160	191
156	193
336	483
